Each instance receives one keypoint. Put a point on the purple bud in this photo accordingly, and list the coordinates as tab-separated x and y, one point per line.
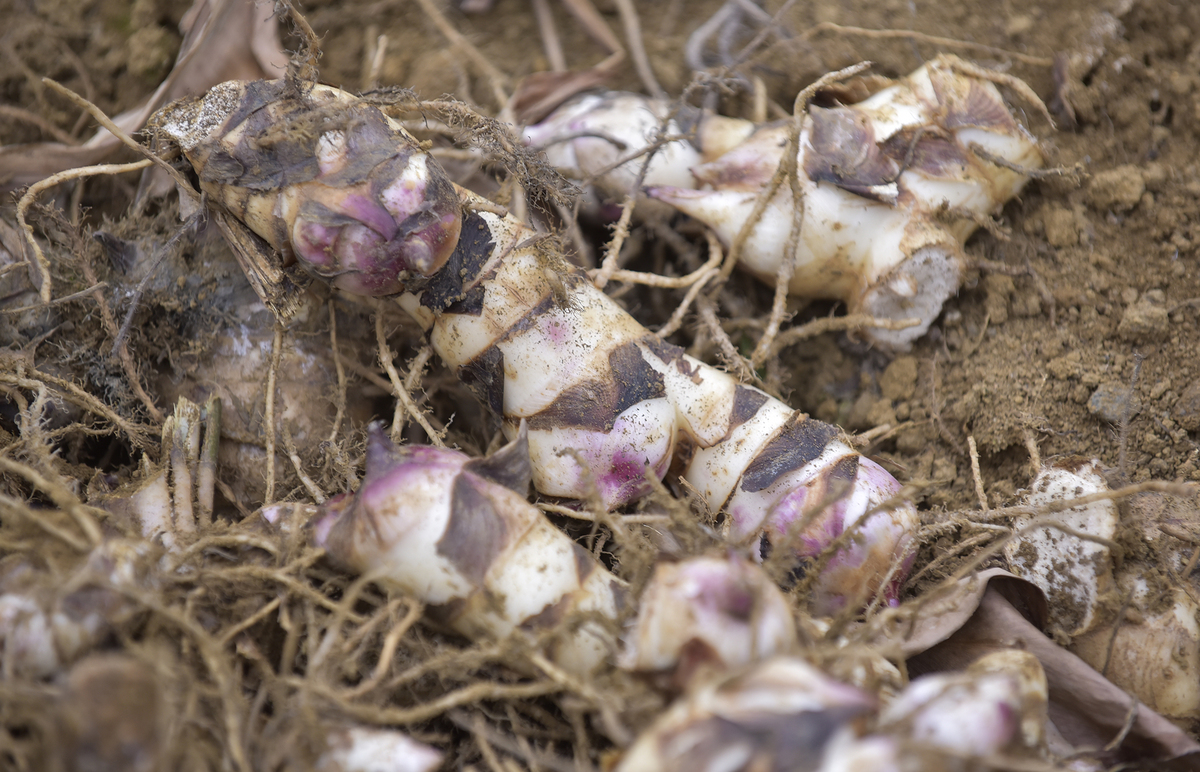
707	612
813	516
402	221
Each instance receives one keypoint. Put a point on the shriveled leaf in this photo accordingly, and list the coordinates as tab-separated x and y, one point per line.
1087	709
222	40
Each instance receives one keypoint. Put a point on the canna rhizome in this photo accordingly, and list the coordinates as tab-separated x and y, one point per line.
327	182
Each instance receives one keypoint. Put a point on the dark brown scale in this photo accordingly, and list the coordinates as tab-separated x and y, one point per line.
447	613
800	441
551	616
746	402
667	352
484	376
585	563
595	404
475	534
845	470
508	466
928	153
256	96
444	291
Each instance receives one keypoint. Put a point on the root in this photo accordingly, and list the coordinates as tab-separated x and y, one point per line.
496	79
29	378
549	33
269	418
920	37
637	48
404	400
979	493
37	260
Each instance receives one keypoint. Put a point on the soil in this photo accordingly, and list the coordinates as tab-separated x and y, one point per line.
1077	333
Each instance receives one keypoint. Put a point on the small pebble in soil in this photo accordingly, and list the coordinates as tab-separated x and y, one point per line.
899	380
1120	188
1147	319
1060	225
1109	401
1187	409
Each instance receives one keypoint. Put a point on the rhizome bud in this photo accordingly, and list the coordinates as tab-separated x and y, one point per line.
326	179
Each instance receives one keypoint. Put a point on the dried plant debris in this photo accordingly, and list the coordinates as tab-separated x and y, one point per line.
222	39
207	561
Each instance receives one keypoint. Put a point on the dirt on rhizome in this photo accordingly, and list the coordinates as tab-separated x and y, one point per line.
232	643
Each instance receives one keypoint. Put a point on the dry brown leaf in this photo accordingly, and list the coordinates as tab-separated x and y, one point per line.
1087	709
920	625
539	93
222	40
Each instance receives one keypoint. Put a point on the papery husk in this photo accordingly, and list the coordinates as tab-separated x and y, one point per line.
1086	710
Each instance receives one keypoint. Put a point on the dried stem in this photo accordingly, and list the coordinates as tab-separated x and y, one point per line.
269	418
979	494
496	79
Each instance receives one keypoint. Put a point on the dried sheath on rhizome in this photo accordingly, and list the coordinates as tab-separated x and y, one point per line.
349	196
